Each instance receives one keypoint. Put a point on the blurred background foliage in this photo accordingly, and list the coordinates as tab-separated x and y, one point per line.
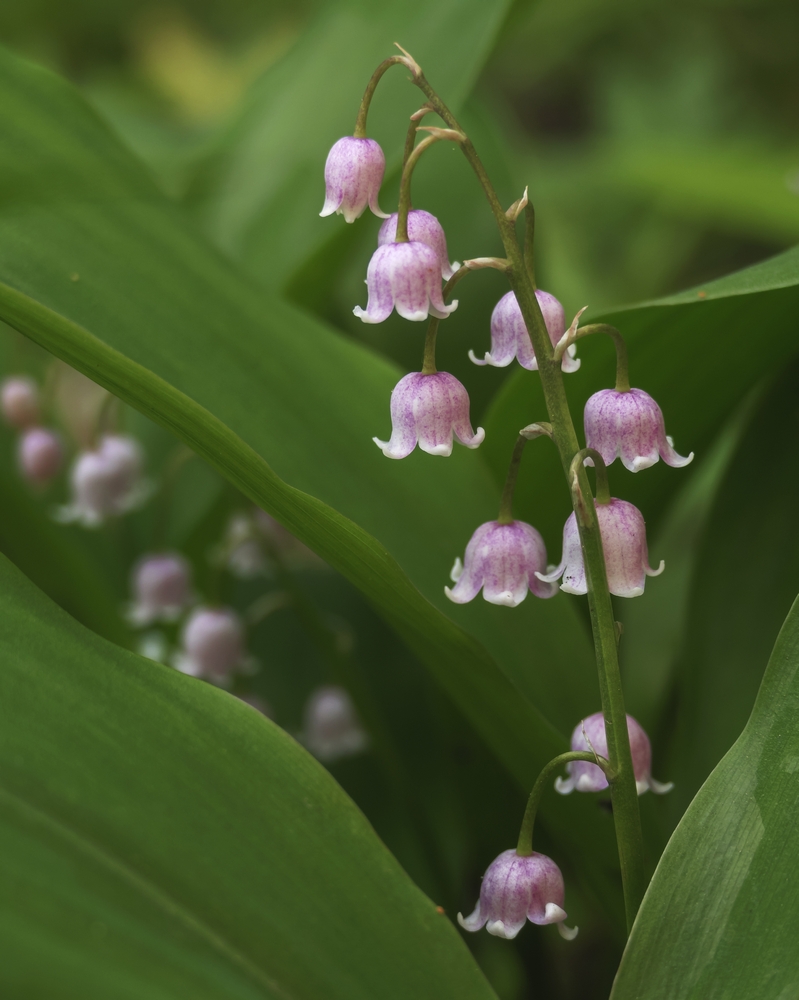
660	145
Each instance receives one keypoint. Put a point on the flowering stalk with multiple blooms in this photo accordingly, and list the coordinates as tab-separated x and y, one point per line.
604	540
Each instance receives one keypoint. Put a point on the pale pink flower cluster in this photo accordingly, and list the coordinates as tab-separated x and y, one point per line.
40	453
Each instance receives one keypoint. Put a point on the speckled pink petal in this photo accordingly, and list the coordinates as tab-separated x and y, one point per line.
422	228
353	175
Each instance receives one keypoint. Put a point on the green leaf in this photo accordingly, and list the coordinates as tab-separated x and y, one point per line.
101	270
746	577
721	916
162	839
261	190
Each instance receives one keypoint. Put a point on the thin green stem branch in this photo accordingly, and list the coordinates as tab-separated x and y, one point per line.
623	790
377	76
524	847
529	241
429	360
622	365
506	503
602	485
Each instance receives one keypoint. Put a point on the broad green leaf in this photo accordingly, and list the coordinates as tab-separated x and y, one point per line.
745	580
104	272
261	190
721	916
697	353
162	839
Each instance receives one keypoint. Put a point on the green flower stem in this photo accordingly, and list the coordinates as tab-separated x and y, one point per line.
506	503
410	136
622	376
405	182
602	486
529	241
369	93
623	791
524	847
429	361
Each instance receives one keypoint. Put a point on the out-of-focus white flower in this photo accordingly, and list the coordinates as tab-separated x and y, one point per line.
212	646
106	482
161	587
39	455
19	401
332	729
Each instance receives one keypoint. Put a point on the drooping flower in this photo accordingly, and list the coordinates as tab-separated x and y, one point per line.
19	401
353	175
422	228
331	726
503	559
405	276
586	777
429	410
629	425
510	339
161	587
624	544
241	550
516	889
39	455
106	482
213	645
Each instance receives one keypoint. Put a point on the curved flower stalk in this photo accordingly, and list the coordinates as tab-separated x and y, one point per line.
429	410
624	545
503	560
516	889
353	175
405	277
422	228
587	777
510	338
629	425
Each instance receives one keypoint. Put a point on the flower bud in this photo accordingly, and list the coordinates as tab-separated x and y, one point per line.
516	889
629	425
106	482
19	400
332	729
589	735
422	228
161	589
353	175
212	645
428	410
510	338
405	276
624	545
503	559
39	455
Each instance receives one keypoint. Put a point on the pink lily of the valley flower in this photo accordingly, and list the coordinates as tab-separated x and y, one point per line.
516	889
353	175
422	228
405	277
587	777
629	425
429	410
510	339
503	560
624	544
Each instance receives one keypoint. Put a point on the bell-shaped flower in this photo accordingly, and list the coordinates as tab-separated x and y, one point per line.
161	589
353	175
624	544
331	726
515	889
589	735
212	646
422	228
629	425
510	339
429	410
19	401
106	482
405	276
39	455
503	559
